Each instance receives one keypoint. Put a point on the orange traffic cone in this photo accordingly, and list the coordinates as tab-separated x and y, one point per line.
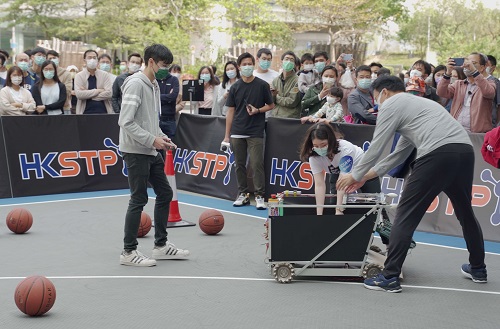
174	216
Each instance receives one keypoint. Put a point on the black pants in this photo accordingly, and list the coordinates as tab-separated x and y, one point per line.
448	169
141	170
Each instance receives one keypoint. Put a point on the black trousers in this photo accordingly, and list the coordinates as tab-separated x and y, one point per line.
141	170
448	169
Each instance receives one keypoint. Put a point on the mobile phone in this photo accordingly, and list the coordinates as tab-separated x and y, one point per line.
347	57
459	61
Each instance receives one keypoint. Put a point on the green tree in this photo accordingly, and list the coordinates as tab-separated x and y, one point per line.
353	19
254	22
457	28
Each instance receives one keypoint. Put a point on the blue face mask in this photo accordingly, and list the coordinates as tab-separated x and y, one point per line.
105	67
321	151
365	83
48	74
264	64
39	60
23	65
319	66
247	70
205	77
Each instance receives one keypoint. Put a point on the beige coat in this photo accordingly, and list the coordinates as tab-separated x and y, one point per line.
82	93
65	78
6	101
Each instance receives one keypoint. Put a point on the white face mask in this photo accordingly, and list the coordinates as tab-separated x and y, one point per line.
328	81
308	67
177	75
92	64
488	70
407	80
377	101
17	80
132	67
331	100
415	73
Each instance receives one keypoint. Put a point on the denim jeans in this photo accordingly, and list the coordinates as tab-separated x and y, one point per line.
141	170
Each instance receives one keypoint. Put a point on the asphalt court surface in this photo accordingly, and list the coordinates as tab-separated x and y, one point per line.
224	284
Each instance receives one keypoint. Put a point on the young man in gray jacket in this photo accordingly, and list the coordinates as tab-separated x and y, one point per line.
444	163
140	137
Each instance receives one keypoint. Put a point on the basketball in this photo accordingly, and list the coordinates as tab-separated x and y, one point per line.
145	225
211	221
19	220
35	295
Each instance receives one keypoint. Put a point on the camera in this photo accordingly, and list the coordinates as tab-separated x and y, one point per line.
224	146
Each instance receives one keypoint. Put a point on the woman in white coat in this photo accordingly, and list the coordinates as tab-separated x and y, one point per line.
231	75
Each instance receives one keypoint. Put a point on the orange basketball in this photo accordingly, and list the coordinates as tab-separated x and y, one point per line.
211	221
19	220
35	295
145	225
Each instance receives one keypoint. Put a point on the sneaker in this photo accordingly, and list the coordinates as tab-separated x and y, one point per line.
243	200
136	258
169	251
259	203
379	282
478	275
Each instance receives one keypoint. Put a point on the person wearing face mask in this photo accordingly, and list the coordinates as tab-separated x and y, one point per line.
332	110
263	68
327	153
248	100
30	78
490	68
444	163
423	69
37	56
15	100
473	97
93	87
308	76
140	138
123	67
176	71
285	89
360	101
211	87
231	75
49	93
106	64
321	60
315	96
436	78
134	64
64	76
169	91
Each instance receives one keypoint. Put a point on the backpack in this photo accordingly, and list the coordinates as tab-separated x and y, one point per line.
491	147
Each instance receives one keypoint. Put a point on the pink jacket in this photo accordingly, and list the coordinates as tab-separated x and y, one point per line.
82	93
480	105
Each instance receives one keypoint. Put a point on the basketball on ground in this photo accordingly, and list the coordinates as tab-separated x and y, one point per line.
35	295
19	220
211	221
145	225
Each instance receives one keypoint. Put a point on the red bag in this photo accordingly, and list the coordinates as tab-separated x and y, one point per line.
491	147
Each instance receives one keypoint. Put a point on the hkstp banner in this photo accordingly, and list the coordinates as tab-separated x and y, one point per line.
206	172
64	154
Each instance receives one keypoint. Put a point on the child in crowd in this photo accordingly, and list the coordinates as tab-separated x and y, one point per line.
332	109
308	76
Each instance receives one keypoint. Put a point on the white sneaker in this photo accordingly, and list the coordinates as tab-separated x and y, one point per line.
243	199
259	203
136	258
169	251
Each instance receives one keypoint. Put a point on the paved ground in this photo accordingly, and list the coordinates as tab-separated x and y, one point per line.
225	284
